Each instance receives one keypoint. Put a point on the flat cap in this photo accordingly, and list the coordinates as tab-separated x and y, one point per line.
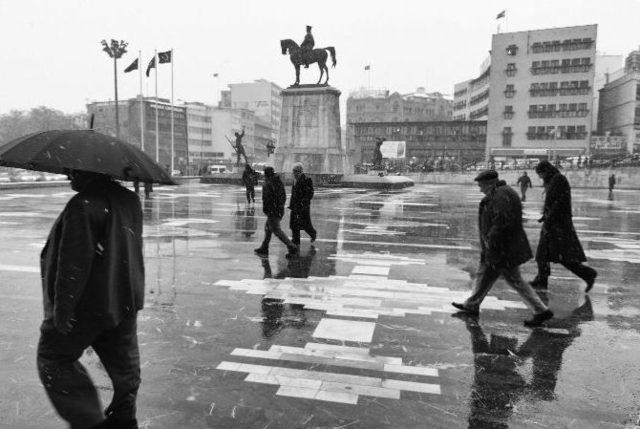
486	175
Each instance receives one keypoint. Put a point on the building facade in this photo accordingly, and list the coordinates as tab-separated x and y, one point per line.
620	108
262	97
365	106
541	98
463	142
200	136
130	127
471	97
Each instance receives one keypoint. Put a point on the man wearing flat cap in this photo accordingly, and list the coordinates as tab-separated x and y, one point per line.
504	247
307	46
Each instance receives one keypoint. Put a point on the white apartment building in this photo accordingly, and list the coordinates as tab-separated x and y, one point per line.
541	99
471	97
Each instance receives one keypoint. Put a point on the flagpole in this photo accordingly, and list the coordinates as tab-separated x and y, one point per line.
155	61
172	140
141	102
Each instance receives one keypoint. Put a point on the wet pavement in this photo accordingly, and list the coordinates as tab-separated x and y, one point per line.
355	333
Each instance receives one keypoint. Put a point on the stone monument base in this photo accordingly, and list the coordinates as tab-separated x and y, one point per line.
310	132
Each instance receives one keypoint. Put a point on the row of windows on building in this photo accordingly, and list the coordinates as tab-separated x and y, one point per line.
199	118
195	154
562	132
563	110
479	98
565	45
566	65
479	113
546	89
197	131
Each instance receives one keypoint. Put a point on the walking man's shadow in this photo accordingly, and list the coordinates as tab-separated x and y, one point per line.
497	384
275	314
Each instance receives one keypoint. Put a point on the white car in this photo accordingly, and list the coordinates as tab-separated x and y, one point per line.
176	173
25	177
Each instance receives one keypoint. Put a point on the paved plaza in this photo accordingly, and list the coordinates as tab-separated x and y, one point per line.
358	331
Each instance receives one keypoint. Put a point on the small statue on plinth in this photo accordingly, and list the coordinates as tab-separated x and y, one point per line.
305	55
238	147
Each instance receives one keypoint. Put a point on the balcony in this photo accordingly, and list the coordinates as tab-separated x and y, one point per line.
551	136
509	93
579	68
552	92
535	114
568	45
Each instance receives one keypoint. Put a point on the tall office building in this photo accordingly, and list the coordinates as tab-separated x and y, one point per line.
541	97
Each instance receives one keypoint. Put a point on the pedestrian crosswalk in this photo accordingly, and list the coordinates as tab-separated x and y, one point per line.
352	306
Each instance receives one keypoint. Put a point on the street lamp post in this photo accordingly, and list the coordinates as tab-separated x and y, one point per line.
115	51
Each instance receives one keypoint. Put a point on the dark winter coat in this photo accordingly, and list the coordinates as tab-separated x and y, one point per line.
92	266
274	196
502	238
300	203
558	239
249	178
524	182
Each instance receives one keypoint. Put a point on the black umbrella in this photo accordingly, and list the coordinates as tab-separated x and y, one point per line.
62	150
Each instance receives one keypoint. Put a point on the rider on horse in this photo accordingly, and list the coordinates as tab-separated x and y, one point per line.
307	46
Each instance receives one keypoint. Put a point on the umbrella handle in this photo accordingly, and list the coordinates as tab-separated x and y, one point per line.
91	121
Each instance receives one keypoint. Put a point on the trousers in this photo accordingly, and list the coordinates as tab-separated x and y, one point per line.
487	276
251	194
584	272
67	382
272	226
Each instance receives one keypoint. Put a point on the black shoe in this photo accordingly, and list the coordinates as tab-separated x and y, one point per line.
468	318
538	319
261	251
591	281
313	237
467	310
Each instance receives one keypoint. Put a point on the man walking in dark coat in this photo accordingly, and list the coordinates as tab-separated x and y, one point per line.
274	197
558	239
525	182
93	286
249	180
300	205
504	247
612	182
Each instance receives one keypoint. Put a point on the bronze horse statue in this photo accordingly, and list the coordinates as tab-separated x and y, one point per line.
314	56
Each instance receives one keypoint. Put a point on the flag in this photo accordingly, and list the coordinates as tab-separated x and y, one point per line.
501	14
164	57
152	64
367	67
215	75
133	66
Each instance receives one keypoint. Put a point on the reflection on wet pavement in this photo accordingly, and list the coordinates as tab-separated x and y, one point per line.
357	332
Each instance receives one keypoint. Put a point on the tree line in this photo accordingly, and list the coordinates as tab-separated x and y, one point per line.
18	123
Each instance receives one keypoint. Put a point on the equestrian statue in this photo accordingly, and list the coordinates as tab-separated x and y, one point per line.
305	55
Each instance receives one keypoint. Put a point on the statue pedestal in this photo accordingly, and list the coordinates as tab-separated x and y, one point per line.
310	133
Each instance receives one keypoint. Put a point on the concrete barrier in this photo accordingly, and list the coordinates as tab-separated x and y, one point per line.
626	177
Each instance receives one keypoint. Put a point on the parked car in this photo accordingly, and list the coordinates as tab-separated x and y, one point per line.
25	176
215	169
176	173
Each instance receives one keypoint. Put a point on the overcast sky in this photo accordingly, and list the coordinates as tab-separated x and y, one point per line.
52	54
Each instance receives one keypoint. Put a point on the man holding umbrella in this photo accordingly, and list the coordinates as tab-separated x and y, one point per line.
92	271
93	286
